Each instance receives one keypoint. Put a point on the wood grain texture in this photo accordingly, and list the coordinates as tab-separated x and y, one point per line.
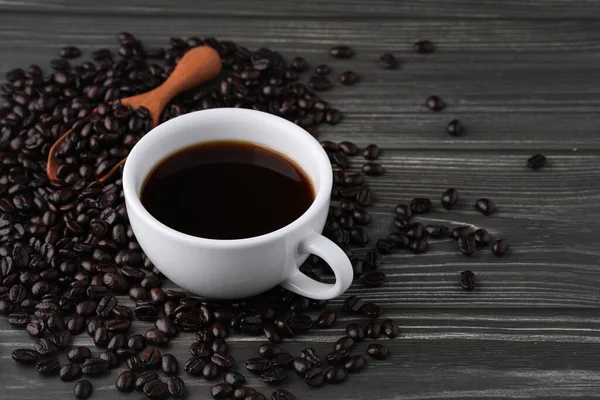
521	75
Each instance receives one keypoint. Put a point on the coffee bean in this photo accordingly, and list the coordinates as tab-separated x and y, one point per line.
310	355
467	280
283	359
110	357
371	310
482	237
79	354
222	390
45	347
348	148
437	231
274	375
18	319
125	381
169	364
374	278
461	231
355	331
319	83
355	364
377	351
423	47
243	392
415	231
326	319
155	389
434	103
344	343
353	304
222	360
373	330
333	117
194	366
467	244
361	216
101	337
258	364
83	389
282	394
234	379
156	337
151	358
47	365
418	246
165	324
348	78
300	323
176	386
25	356
384	246
455	127
76	324
388	61
485	206
201	349
144	378
449	198
341	52
314	377
70	372
250	325
322	69
364	197
390	328
269	350
373	169
210	371
500	247
95	366
420	205
136	342
219	346
536	161
36	328
106	305
118	326
300	366
404	211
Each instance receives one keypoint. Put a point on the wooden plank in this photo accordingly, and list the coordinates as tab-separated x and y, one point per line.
380	9
501	79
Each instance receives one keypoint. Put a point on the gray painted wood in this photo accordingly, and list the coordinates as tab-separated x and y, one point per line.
523	78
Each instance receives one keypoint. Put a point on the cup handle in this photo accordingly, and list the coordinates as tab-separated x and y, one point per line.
298	282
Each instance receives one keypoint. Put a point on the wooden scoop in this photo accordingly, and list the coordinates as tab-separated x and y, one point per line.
197	66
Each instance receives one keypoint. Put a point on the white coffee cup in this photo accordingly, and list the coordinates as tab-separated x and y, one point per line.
228	269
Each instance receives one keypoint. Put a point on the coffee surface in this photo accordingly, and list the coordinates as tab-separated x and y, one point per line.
226	190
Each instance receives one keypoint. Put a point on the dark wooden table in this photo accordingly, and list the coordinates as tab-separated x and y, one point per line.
521	76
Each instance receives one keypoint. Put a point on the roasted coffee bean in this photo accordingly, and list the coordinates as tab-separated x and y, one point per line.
243	392
329	146
461	231
110	357
25	356
165	324
423	47
79	354
101	337
194	366
485	206
201	349
136	342
124	353
274	375
234	379
384	246
269	350
6	308
390	328
467	244
348	78
467	280
319	83
455	127
377	351
399	240
341	52
355	331
169	364
258	364
126	381
373	330
388	61
47	365
18	319
374	278
95	366
404	211
355	364
134	363
420	205
300	366
146	312
36	327
415	231
371	310
449	198
338	356
361	217
210	371
326	319
373	169
219	346
482	237
83	389
156	337
437	231
310	354
156	389
500	247
70	372
151	358
176	386
61	338
335	375
314	377
158	295
122	312
106	305
222	391
300	323
364	197
349	148
70	52
536	161
402	224
282	360
144	378
372	152
322	69
299	64
418	246
222	360
434	103
76	324
45	347
352	304
188	322
333	117
118	326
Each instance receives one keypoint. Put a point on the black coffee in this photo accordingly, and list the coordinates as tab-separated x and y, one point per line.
226	190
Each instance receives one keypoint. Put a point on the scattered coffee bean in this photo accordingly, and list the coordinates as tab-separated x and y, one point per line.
144	378
322	69
25	356
467	280
344	343
536	161
282	394
372	169
222	390
274	375
125	381
373	330
434	103
467	244
48	365
79	354
341	52
455	127
83	389
70	52
300	366
374	278
70	372
371	310
258	364
485	206
423	47
299	64
384	246
314	377
500	247
156	389
326	319
194	365
388	61
377	351
437	231
355	364
482	237
269	350
176	386
399	240
210	371
95	366
169	364
319	83
461	231
151	358
355	331
420	205
348	78
390	328
282	360
335	375
449	198
353	304
418	246
404	211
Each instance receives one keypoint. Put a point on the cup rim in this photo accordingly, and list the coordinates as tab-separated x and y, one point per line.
181	122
